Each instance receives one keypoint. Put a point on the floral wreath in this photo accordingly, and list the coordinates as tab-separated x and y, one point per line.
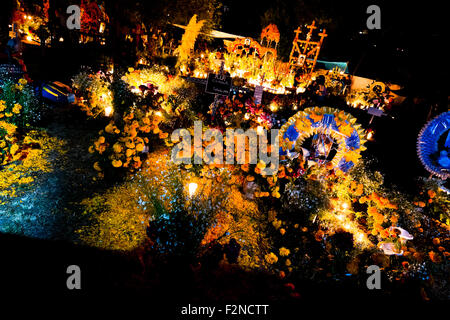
337	124
428	149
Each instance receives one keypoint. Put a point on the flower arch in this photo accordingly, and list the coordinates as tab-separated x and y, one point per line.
335	124
435	157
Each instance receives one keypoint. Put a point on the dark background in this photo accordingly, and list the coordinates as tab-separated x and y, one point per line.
410	49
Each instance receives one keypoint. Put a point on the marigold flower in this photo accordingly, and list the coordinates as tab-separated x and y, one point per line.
117	163
431	193
284	252
97	166
129	152
394	219
110	128
16	109
276	193
130	144
434	257
384	233
14	149
163	135
271	258
319	235
139	147
261	164
276	223
117	148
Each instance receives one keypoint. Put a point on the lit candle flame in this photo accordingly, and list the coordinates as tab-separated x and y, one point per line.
192	188
108	111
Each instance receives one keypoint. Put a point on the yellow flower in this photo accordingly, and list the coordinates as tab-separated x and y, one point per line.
316	117
352	156
276	193
284	252
23	81
139	147
271	258
288	262
346	129
130	69
282	231
110	128
91	149
17	108
163	135
276	223
117	148
14	148
9	127
261	164
8	114
97	166
2	105
129	153
117	163
101	140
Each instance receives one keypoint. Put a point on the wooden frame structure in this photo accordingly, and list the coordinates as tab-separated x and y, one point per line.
305	52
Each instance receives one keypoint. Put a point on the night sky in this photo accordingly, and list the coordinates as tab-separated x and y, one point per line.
410	45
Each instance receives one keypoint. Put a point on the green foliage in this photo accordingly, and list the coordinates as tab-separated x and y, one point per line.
118	219
113	220
433	192
93	91
22	93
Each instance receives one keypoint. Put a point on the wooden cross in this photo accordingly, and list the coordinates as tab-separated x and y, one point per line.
297	32
311	27
323	35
